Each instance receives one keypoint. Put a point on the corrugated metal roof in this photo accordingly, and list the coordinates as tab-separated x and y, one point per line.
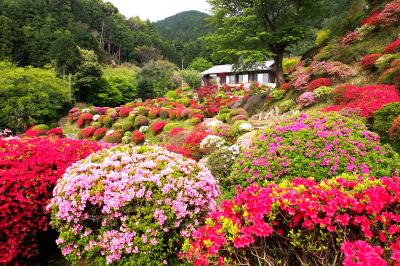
229	68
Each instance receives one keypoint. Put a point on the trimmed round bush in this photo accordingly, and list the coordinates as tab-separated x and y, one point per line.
114	137
40	127
383	119
130	205
286	106
241	127
141	121
323	93
220	162
127	125
317	145
117	126
108	122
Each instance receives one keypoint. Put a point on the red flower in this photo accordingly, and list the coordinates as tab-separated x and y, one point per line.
392	48
315	84
368	62
158	127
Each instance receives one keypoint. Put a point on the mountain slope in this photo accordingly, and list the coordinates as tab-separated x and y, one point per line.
185	26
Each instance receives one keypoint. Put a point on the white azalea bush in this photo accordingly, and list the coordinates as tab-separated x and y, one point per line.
130	206
211	143
220	162
143	129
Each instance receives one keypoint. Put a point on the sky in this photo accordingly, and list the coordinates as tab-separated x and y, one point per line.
155	10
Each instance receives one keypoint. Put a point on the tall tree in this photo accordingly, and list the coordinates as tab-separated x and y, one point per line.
250	31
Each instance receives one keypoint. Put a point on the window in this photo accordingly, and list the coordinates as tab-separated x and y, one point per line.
241	78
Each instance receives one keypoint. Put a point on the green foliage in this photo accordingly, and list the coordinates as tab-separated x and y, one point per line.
30	96
277	94
220	163
246	31
323	93
286	106
384	61
87	77
383	119
42	32
289	64
155	79
117	86
322	36
191	77
200	64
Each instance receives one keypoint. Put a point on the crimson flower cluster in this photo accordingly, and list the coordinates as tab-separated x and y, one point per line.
29	170
366	99
317	83
265	223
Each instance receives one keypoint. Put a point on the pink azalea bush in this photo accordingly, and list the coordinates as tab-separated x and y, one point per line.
130	205
303	222
316	145
306	99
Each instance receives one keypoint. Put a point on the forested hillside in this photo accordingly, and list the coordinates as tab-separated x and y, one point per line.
41	32
183	31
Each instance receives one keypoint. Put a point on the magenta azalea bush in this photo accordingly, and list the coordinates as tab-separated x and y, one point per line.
306	99
316	145
130	205
347	219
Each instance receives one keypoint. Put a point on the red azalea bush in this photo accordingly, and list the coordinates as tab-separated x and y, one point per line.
124	111
57	131
192	143
87	132
373	18
367	99
368	61
390	15
137	137
83	119
206	91
100	133
350	38
286	86
32	132
29	169
175	131
158	127
392	48
317	83
302	222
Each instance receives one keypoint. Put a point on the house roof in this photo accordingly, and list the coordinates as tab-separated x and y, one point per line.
229	68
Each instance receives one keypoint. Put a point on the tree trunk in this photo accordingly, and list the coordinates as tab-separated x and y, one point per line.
278	59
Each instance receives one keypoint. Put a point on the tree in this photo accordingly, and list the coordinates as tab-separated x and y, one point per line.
88	76
250	31
191	77
156	78
31	96
145	54
200	64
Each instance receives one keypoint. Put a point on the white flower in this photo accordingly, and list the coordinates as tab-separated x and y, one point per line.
214	123
96	117
245	127
211	143
110	132
143	129
86	110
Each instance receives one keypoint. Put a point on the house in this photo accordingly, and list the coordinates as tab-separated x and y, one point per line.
226	75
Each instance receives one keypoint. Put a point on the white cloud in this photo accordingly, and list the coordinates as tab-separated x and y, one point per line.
155	10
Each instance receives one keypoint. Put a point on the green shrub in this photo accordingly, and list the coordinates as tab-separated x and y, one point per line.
191	77
323	93
40	127
171	95
141	121
317	145
115	138
31	96
384	61
322	36
108	122
127	125
277	94
122	78
220	163
117	126
156	78
383	119
286	106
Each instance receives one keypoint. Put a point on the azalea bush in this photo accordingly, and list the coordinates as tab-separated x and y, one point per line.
316	145
368	61
29	170
317	83
130	205
383	119
367	99
306	99
303	222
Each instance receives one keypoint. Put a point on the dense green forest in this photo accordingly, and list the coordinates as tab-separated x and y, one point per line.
42	32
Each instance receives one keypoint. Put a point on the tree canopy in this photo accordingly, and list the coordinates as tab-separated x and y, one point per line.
249	31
